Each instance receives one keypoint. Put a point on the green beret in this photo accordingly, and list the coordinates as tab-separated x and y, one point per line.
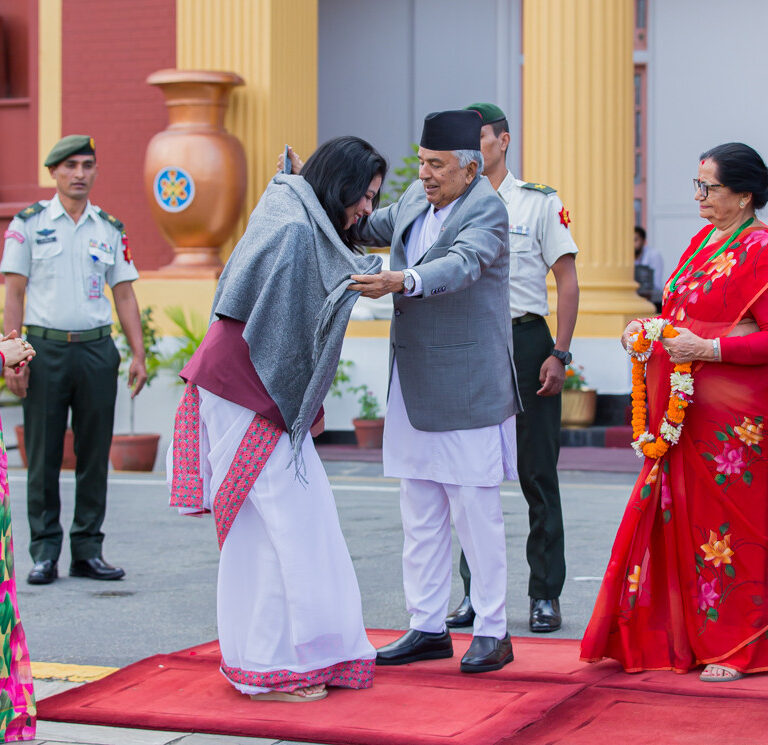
70	145
489	112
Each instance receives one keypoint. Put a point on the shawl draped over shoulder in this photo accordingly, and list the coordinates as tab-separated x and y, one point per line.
287	280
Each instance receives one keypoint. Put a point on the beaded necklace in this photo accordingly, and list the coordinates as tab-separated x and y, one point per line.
673	283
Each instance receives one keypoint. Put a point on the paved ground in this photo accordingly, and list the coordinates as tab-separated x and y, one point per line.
167	600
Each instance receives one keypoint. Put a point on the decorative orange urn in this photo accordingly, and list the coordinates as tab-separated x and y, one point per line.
194	170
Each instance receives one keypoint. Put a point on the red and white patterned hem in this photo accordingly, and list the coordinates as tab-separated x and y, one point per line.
349	674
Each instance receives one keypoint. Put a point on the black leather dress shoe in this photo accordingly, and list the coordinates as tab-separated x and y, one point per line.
545	615
95	568
43	573
415	645
464	615
487	653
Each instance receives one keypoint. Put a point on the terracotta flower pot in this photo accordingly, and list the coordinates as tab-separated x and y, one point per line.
578	407
194	171
134	452
68	460
369	432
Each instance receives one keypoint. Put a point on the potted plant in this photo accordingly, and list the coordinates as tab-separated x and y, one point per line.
369	426
341	377
136	451
193	330
579	401
405	175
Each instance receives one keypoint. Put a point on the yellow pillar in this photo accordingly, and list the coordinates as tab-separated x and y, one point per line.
272	44
49	83
578	135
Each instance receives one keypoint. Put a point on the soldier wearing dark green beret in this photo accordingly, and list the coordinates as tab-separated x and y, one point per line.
60	255
539	241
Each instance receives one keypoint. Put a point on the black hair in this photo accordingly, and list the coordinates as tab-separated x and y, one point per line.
340	172
741	169
640	230
500	126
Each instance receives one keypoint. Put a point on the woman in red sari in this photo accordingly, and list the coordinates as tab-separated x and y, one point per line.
687	581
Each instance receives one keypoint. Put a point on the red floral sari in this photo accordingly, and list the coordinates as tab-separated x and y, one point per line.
687	581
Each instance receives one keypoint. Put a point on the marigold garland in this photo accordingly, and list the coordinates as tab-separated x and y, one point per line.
681	392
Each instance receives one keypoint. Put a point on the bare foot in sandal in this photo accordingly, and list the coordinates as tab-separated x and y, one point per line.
719	674
300	695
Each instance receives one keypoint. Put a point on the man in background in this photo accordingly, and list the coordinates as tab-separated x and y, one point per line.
539	241
650	259
59	256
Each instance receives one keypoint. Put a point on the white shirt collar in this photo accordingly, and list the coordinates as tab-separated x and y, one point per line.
56	209
505	187
441	214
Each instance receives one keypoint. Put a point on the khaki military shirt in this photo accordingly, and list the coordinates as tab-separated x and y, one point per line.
538	237
67	266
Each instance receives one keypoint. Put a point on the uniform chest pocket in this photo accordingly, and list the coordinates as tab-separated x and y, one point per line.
519	243
44	260
47	250
101	256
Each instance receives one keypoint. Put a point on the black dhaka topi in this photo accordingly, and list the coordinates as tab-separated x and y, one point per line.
451	130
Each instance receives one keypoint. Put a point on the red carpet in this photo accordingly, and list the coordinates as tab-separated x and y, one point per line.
546	692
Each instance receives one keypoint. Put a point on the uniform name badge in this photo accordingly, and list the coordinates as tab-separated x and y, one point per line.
94	286
519	230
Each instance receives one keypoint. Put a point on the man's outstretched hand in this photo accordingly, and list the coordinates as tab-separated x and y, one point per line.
377	285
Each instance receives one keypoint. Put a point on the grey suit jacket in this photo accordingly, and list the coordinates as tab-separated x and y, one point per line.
453	343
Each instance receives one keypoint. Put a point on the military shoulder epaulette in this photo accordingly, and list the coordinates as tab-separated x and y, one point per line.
33	209
543	188
111	219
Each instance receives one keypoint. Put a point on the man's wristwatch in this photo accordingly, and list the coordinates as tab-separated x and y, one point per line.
409	281
564	357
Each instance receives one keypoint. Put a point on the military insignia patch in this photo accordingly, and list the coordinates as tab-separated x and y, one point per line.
47	235
543	188
565	218
111	219
127	255
33	209
15	235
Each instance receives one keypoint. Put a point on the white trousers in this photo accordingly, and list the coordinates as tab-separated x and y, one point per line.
288	597
426	508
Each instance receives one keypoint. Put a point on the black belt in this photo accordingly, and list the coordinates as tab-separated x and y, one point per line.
526	318
59	335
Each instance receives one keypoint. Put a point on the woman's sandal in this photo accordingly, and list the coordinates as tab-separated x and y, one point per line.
719	674
294	697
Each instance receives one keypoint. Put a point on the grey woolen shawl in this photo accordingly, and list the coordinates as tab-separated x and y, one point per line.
287	281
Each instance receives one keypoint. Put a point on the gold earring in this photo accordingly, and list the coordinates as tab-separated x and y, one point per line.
742	204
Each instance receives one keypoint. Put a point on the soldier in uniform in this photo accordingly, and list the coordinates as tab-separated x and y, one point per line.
539	240
59	256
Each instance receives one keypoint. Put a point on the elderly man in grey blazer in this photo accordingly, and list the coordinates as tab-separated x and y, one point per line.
449	432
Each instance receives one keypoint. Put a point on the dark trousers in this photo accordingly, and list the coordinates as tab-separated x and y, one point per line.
538	448
81	376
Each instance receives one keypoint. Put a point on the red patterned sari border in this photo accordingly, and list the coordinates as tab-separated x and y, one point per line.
349	674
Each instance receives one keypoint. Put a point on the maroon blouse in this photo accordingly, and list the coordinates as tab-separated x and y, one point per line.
222	365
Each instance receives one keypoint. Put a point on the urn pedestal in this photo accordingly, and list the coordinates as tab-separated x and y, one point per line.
194	170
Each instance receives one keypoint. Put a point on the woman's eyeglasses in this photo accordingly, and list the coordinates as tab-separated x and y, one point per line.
704	187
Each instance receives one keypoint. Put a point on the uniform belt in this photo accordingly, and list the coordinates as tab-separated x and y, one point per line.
526	318
59	335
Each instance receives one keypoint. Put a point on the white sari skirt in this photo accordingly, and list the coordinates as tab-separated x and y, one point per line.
289	609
